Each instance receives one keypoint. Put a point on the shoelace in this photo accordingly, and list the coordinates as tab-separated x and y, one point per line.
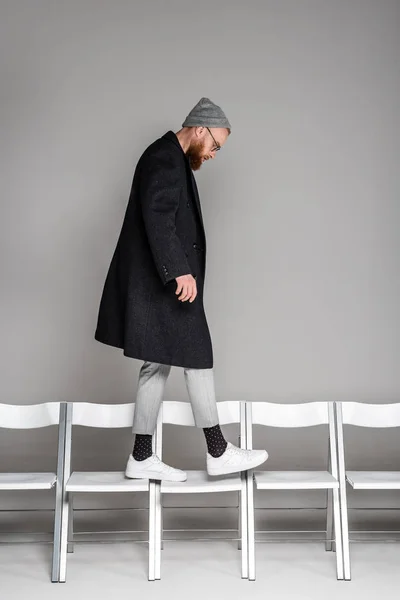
156	460
232	451
236	451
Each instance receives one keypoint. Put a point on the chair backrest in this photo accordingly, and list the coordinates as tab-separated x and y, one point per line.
364	414
92	414
34	416
181	413
302	414
30	416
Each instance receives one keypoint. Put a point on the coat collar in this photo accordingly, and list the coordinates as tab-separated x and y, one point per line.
172	137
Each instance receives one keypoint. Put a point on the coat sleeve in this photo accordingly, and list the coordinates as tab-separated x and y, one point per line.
160	190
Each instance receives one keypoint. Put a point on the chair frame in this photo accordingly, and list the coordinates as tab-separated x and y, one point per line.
333	508
337	509
156	489
360	414
35	416
66	537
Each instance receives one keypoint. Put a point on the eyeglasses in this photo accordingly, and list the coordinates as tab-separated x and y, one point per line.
217	146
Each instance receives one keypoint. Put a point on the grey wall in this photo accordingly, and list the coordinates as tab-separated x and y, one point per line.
301	212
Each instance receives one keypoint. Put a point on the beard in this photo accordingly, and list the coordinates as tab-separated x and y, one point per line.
195	154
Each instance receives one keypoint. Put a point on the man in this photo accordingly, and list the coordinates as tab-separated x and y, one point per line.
152	301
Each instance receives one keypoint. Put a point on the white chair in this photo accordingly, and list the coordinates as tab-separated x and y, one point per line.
102	416
362	415
35	416
180	413
296	415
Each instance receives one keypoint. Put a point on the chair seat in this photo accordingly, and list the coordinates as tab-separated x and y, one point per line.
104	481
27	481
201	482
294	480
369	480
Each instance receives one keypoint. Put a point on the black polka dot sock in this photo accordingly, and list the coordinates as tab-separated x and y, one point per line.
142	447
216	443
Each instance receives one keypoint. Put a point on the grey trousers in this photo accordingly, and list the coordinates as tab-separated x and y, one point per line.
150	392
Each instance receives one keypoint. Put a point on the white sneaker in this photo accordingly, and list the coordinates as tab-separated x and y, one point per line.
152	468
235	459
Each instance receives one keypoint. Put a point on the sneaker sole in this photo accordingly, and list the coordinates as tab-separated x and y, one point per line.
226	470
154	475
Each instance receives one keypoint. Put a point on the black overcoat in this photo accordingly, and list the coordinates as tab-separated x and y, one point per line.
162	237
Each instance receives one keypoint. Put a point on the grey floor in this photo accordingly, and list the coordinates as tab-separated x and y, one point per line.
203	569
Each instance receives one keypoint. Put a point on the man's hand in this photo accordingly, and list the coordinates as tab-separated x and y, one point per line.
186	285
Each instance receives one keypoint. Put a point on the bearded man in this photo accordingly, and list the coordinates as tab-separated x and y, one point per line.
152	301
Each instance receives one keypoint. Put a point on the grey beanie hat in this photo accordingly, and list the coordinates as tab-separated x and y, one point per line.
206	114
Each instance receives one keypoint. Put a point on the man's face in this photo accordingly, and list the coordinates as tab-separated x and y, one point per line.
202	145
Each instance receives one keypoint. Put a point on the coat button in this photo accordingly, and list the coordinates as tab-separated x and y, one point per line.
194	245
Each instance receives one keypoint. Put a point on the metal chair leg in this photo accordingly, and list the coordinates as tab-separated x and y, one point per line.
338	534
55	568
64	538
243	540
162	524
158	530
345	534
70	544
152	520
239	544
239	496
250	526
329	520
342	491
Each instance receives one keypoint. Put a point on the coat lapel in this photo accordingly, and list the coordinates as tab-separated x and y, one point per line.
170	135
